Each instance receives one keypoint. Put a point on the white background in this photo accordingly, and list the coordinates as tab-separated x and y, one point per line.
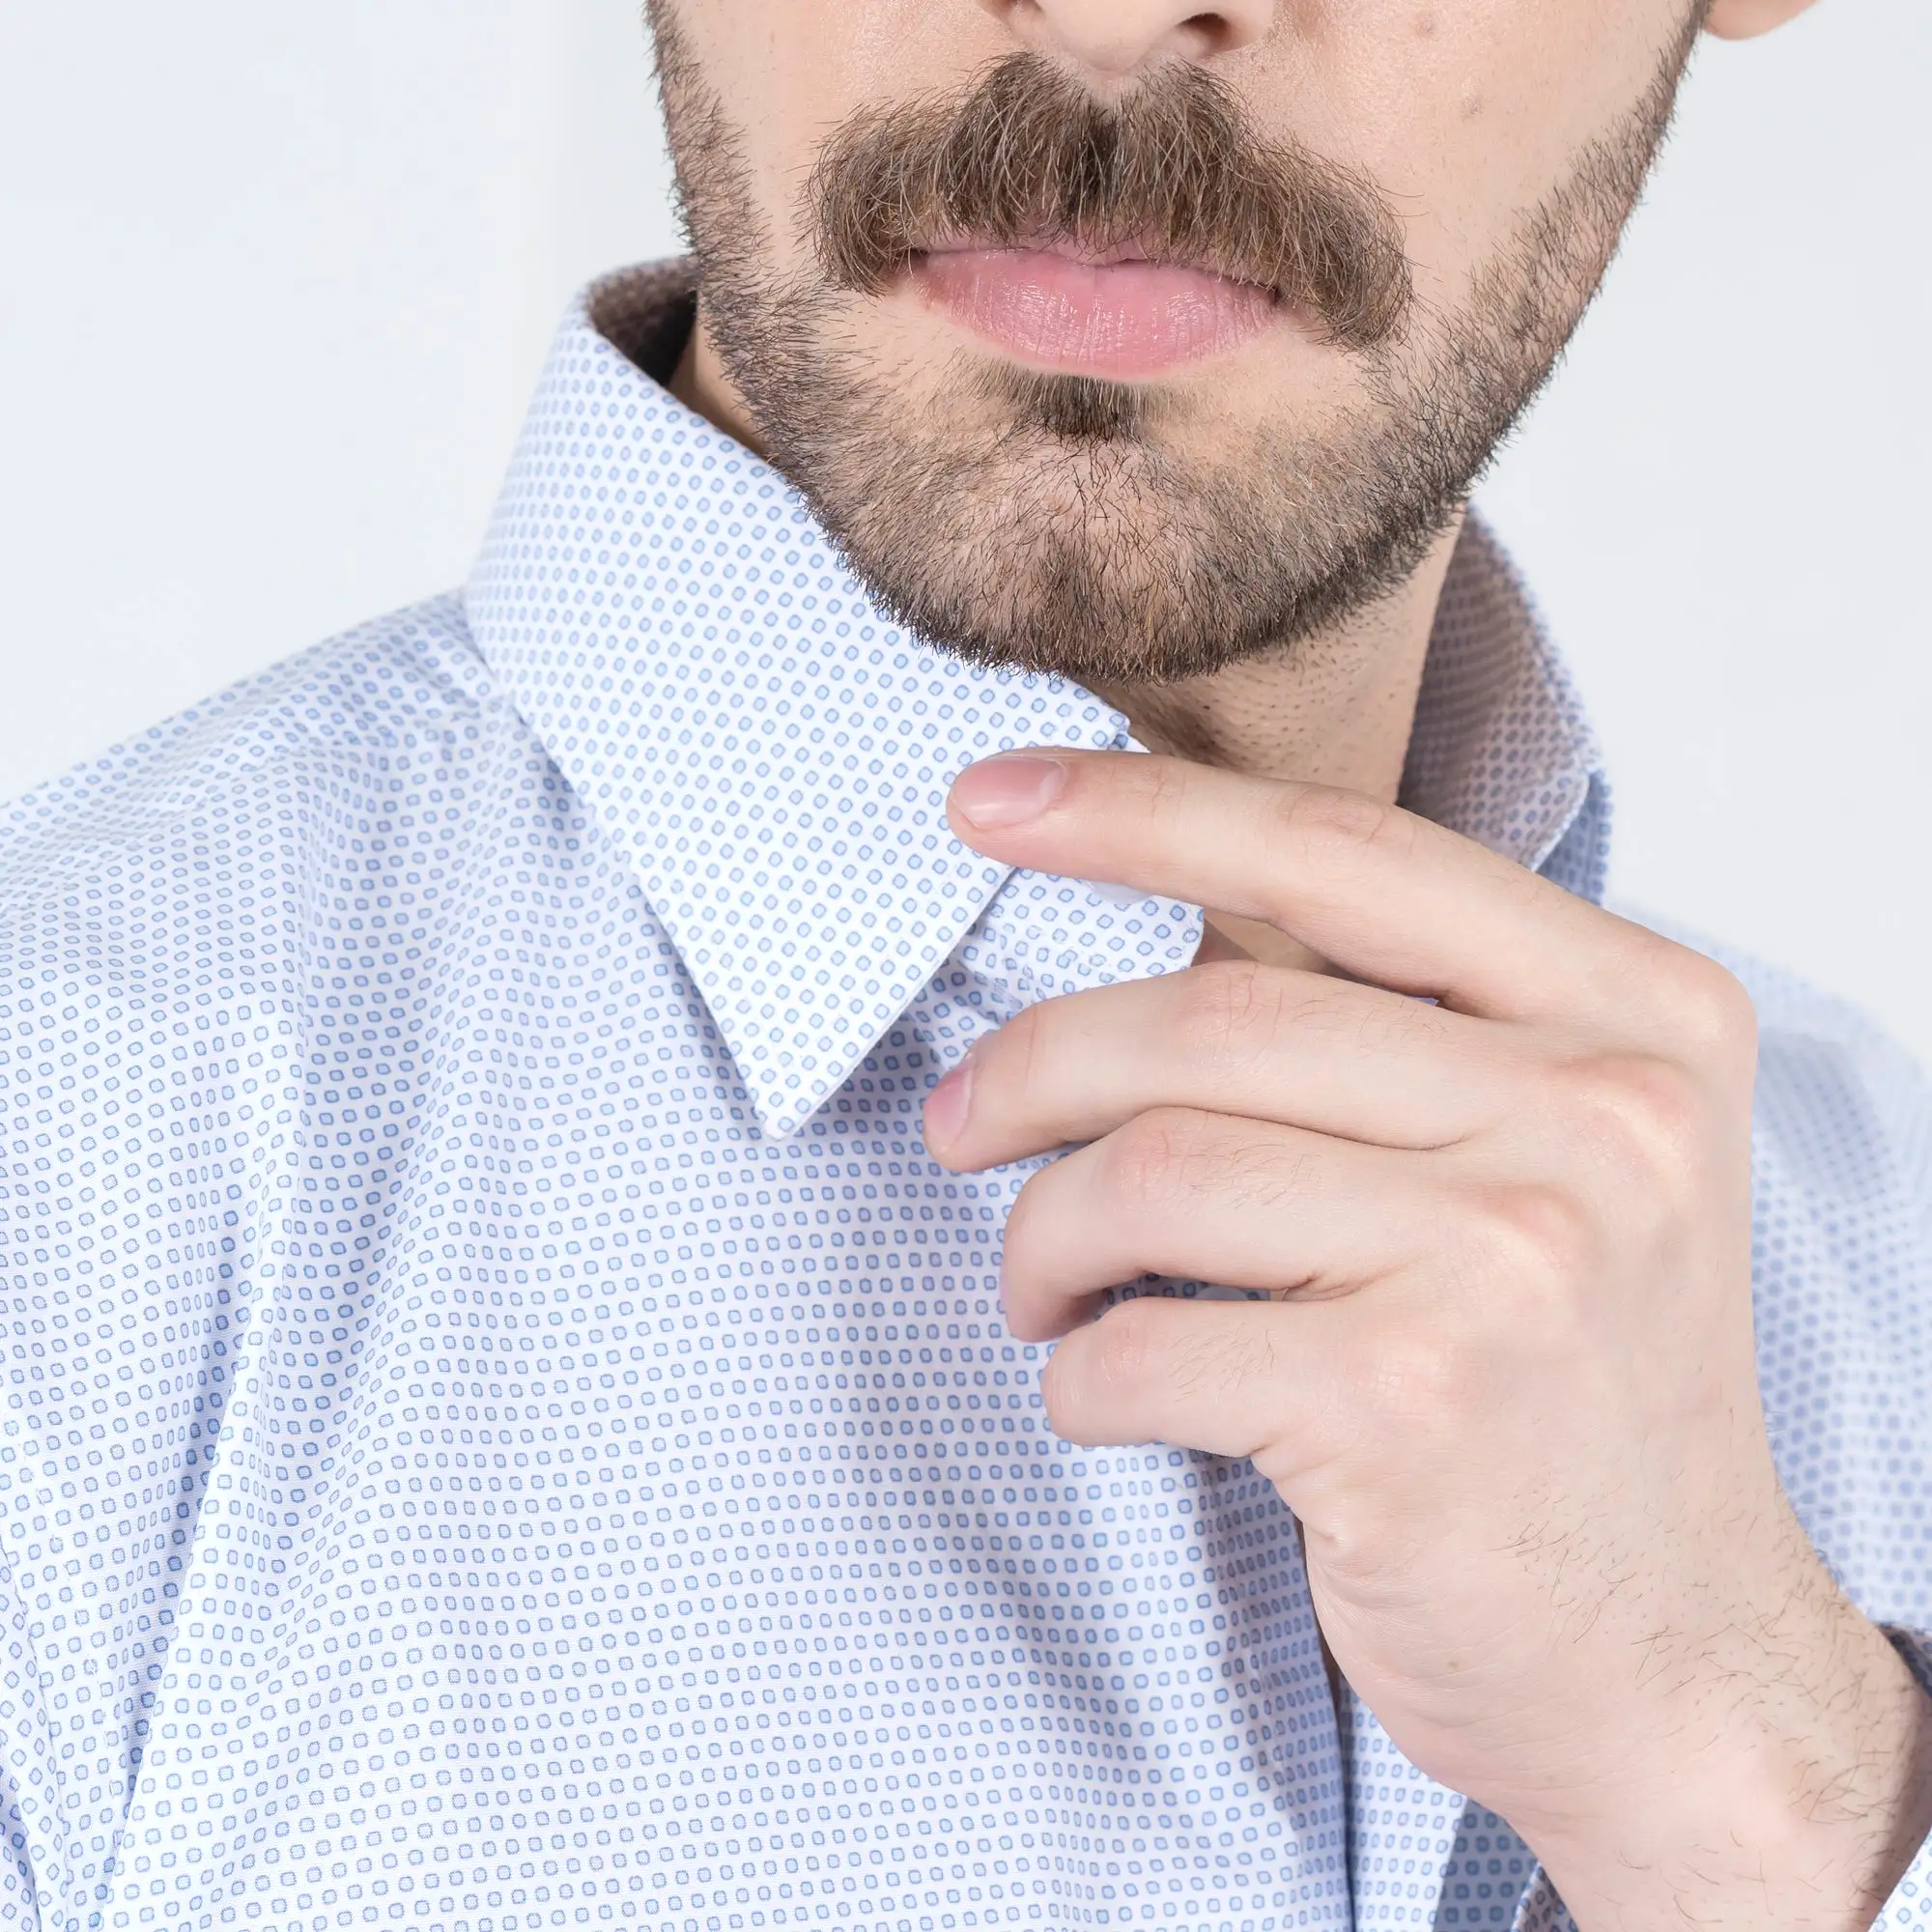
274	284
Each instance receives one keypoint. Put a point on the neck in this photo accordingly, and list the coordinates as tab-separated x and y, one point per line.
1335	709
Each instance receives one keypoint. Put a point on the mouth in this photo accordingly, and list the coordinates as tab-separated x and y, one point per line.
1112	313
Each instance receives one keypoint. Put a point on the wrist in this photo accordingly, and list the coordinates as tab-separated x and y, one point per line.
1799	1801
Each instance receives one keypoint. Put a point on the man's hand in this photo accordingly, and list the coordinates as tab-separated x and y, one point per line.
1506	1379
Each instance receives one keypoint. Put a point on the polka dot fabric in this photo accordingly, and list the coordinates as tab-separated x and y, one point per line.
772	752
505	1429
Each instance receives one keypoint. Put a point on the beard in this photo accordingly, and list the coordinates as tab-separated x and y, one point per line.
1107	531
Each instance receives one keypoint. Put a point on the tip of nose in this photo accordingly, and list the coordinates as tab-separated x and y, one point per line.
1117	40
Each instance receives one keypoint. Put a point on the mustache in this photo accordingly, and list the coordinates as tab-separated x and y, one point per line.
1171	171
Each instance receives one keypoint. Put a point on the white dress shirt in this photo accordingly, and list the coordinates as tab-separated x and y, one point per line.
505	1427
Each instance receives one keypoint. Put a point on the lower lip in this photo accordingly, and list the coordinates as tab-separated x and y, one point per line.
1119	320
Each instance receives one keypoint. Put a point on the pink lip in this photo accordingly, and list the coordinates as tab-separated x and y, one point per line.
1119	318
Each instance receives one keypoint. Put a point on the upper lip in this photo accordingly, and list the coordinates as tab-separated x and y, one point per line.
1113	255
1099	258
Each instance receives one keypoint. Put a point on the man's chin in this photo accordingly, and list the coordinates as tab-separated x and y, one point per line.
1114	533
1100	611
1098	557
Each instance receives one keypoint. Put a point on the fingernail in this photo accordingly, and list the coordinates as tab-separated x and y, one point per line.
1008	790
948	1104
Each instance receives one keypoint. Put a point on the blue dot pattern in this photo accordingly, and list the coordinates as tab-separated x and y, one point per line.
505	1429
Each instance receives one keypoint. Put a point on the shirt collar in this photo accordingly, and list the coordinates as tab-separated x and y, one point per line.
772	752
1502	750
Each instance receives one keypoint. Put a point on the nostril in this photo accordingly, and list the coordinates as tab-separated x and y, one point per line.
1120	38
1212	33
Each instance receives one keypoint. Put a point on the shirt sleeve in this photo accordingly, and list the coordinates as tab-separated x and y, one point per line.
1910	1905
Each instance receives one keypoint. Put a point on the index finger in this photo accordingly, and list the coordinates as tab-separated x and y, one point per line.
1382	893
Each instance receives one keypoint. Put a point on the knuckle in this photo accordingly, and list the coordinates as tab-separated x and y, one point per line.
1710	1013
1174	1158
1332	833
1640	1117
1228	1013
1529	1245
1236	1013
1099	1370
1126	1341
1727	1016
1149	1161
1168	781
1423	1377
1152	1363
1381	1028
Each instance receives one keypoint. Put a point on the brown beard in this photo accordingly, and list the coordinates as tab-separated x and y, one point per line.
1044	522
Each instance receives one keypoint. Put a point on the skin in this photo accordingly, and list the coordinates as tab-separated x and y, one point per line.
1467	115
1506	1379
